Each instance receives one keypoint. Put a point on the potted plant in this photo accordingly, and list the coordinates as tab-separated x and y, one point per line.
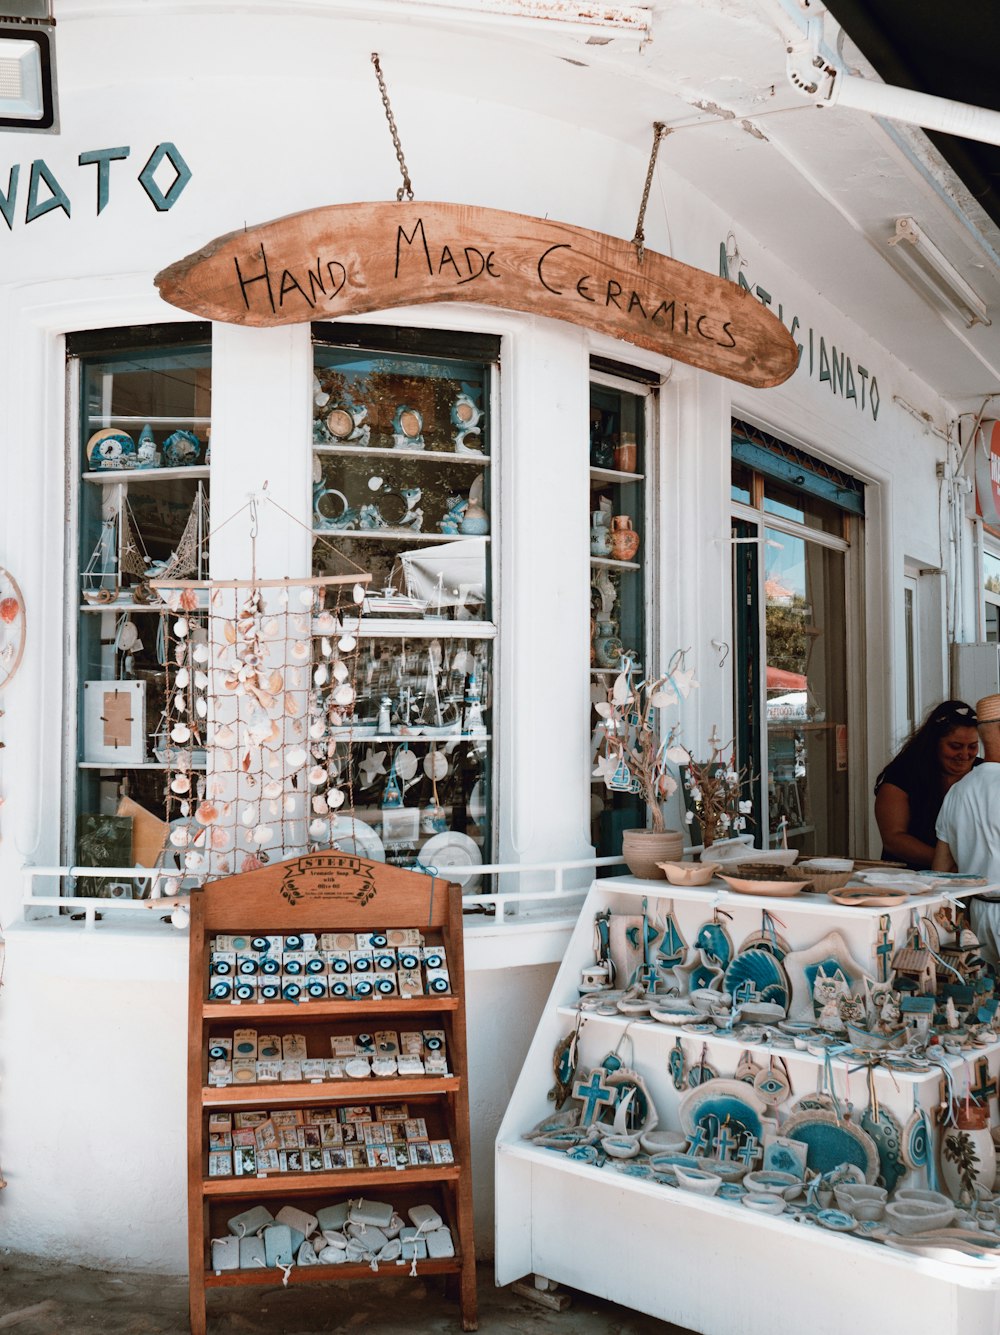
634	756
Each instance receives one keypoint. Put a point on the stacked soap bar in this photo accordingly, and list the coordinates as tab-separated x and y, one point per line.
319	1140
250	1058
358	1232
361	966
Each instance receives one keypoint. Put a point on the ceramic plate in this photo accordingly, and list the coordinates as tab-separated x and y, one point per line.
911	882
877	898
831	1143
351	835
449	853
732	1101
769	889
763	972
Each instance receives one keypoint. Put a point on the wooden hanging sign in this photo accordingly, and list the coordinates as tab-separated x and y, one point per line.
348	259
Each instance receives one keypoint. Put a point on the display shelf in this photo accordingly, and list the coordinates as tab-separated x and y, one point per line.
124	419
329	892
330	1091
841	1281
400	737
144	764
342	1180
152	474
380	452
236	1279
614	565
398	628
398	535
614	475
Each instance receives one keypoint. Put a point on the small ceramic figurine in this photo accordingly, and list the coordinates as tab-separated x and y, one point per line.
181	449
453	516
475	520
110	449
147	455
407	429
827	993
465	417
370	517
414	516
346	423
600	533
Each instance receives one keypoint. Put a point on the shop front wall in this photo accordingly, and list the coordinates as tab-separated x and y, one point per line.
100	1178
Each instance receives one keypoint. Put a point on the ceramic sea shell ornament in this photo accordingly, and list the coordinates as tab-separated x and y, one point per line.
407	428
111	448
180	449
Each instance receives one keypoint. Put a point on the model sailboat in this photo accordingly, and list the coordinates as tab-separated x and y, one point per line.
119	556
187	560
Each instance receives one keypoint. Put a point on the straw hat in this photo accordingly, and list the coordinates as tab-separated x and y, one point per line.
988	709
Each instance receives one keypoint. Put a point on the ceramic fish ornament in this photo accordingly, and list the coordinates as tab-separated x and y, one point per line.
564	1067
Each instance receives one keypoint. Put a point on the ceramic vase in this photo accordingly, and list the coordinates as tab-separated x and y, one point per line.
475	520
608	647
626	454
643	849
600	534
624	539
968	1155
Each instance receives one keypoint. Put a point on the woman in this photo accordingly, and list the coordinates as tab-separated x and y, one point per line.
911	788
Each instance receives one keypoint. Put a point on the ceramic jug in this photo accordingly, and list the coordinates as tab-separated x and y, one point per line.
624	539
968	1155
607	645
600	534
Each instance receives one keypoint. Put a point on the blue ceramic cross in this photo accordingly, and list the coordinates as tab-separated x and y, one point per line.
883	948
744	992
593	1093
724	1142
985	1088
749	1151
697	1141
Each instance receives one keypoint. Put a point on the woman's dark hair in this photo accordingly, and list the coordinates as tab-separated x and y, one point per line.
920	748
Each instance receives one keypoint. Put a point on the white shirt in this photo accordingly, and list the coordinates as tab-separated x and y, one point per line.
969	822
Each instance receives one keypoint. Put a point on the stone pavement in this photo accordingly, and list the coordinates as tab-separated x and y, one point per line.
36	1299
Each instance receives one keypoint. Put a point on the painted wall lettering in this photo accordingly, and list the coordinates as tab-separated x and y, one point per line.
829	364
45	193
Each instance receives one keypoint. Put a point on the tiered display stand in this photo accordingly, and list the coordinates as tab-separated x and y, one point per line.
704	1263
327	892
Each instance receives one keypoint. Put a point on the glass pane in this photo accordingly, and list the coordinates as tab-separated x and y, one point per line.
992	623
788	503
401	474
617	592
144	453
742	483
991	573
806	666
909	625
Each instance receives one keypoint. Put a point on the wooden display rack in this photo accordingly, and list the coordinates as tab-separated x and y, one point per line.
325	892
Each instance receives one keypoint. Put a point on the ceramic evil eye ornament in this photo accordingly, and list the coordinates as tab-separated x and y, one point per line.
111	448
181	448
147	455
407	428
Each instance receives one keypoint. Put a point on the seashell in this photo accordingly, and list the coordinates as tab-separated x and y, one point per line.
359	593
317	730
171	886
247	815
180	653
296	679
263	834
321	675
335	798
344	694
296	758
225	867
435	765
291	706
180	783
341	671
180	703
251	862
326	623
193	860
406	764
224	736
306	597
218	838
276	683
320	804
206	813
271	629
201	680
199	840
200	653
182	678
325	647
274	808
300	626
346	643
317	775
181	627
201	707
291	804
300	650
180	732
180	837
272	790
180	917
319	829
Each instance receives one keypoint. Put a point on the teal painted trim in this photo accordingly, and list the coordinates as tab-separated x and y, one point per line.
798	475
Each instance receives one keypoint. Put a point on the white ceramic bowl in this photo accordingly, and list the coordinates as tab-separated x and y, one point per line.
688	873
693	1179
770	1182
911	1217
663	1142
763	1204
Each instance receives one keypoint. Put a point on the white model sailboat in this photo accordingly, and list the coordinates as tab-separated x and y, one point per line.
118	556
188	559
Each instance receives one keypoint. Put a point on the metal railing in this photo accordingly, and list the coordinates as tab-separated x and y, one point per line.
533	906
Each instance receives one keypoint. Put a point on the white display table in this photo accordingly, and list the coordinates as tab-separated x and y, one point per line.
704	1263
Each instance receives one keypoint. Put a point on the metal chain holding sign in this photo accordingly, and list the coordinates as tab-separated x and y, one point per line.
660	131
406	188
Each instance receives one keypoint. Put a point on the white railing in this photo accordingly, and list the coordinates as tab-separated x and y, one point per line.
492	908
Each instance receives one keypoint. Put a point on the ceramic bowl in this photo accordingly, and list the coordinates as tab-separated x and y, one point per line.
772	1183
663	1142
763	1204
849	1194
679	1015
824	865
867	1212
922	1194
737	851
763	1012
707	999
697	1180
730	1170
688	873
912	1217
620	1147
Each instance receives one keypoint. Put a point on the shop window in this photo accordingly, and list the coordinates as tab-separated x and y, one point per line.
991	595
792	630
403	462
619	460
140	478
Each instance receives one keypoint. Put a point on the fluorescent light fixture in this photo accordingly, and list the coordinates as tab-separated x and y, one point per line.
935	274
27	76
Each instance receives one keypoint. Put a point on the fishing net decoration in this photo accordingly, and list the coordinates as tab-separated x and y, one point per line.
256	734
